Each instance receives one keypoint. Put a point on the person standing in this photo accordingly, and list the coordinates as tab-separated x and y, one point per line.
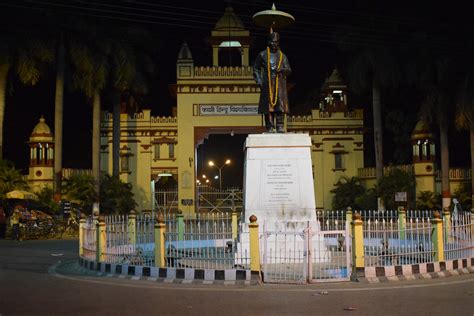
270	69
3	223
15	223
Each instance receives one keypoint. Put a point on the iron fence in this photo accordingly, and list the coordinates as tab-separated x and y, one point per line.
458	237
129	245
204	242
387	243
300	252
89	243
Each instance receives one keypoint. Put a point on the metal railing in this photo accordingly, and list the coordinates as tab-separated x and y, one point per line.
458	237
221	241
89	245
387	243
204	242
214	200
130	245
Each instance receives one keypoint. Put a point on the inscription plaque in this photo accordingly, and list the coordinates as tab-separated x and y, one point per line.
279	183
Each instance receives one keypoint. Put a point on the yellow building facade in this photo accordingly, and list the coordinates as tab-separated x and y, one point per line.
220	99
41	148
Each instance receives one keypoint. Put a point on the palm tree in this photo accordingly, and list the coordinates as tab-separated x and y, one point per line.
89	60
465	116
22	55
58	116
10	178
437	81
130	65
374	68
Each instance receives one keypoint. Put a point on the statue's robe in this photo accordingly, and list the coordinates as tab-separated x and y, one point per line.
260	72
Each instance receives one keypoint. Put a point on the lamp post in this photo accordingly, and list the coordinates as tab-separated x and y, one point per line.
212	164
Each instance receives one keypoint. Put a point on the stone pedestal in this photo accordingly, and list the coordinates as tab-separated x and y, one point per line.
278	178
279	190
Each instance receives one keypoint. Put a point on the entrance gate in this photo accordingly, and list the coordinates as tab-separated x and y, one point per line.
208	200
305	254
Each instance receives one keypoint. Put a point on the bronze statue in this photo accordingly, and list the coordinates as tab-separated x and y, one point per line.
270	69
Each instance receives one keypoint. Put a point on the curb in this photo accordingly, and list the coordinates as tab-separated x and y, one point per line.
173	275
422	276
415	271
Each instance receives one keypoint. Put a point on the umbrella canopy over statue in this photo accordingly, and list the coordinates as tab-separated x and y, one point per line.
273	19
21	195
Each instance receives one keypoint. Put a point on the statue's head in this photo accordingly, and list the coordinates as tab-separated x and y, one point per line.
273	41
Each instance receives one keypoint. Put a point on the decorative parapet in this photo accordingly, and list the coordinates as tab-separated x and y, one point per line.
226	72
368	173
107	117
300	119
456	174
317	115
68	172
164	119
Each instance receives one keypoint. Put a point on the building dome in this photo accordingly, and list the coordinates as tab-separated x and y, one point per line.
41	132
229	22
421	131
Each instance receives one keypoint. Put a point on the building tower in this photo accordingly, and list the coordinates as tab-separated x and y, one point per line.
423	158
230	41
333	94
41	167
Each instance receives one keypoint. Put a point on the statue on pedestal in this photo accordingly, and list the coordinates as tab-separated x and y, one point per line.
270	70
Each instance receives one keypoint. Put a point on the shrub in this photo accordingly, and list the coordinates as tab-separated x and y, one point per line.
397	181
428	200
346	193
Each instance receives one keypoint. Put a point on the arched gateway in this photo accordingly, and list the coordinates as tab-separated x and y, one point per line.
223	99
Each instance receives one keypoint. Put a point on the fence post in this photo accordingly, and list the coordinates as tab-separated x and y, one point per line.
160	230
254	244
132	228
447	224
402	222
180	222
82	224
437	237
101	241
234	225
472	224
357	245
349	215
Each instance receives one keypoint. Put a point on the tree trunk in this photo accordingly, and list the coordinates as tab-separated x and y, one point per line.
116	139
58	119
96	148
3	88
443	132
471	136
376	104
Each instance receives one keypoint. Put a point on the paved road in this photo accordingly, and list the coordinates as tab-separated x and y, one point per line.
26	288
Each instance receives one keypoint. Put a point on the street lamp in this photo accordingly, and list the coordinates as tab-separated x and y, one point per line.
212	164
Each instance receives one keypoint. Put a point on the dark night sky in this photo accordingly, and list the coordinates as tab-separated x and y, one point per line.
309	45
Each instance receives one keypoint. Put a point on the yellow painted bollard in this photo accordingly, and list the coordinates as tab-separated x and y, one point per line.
160	251
254	244
234	225
447	224
349	215
437	237
180	220
101	239
132	228
357	244
402	222
82	224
